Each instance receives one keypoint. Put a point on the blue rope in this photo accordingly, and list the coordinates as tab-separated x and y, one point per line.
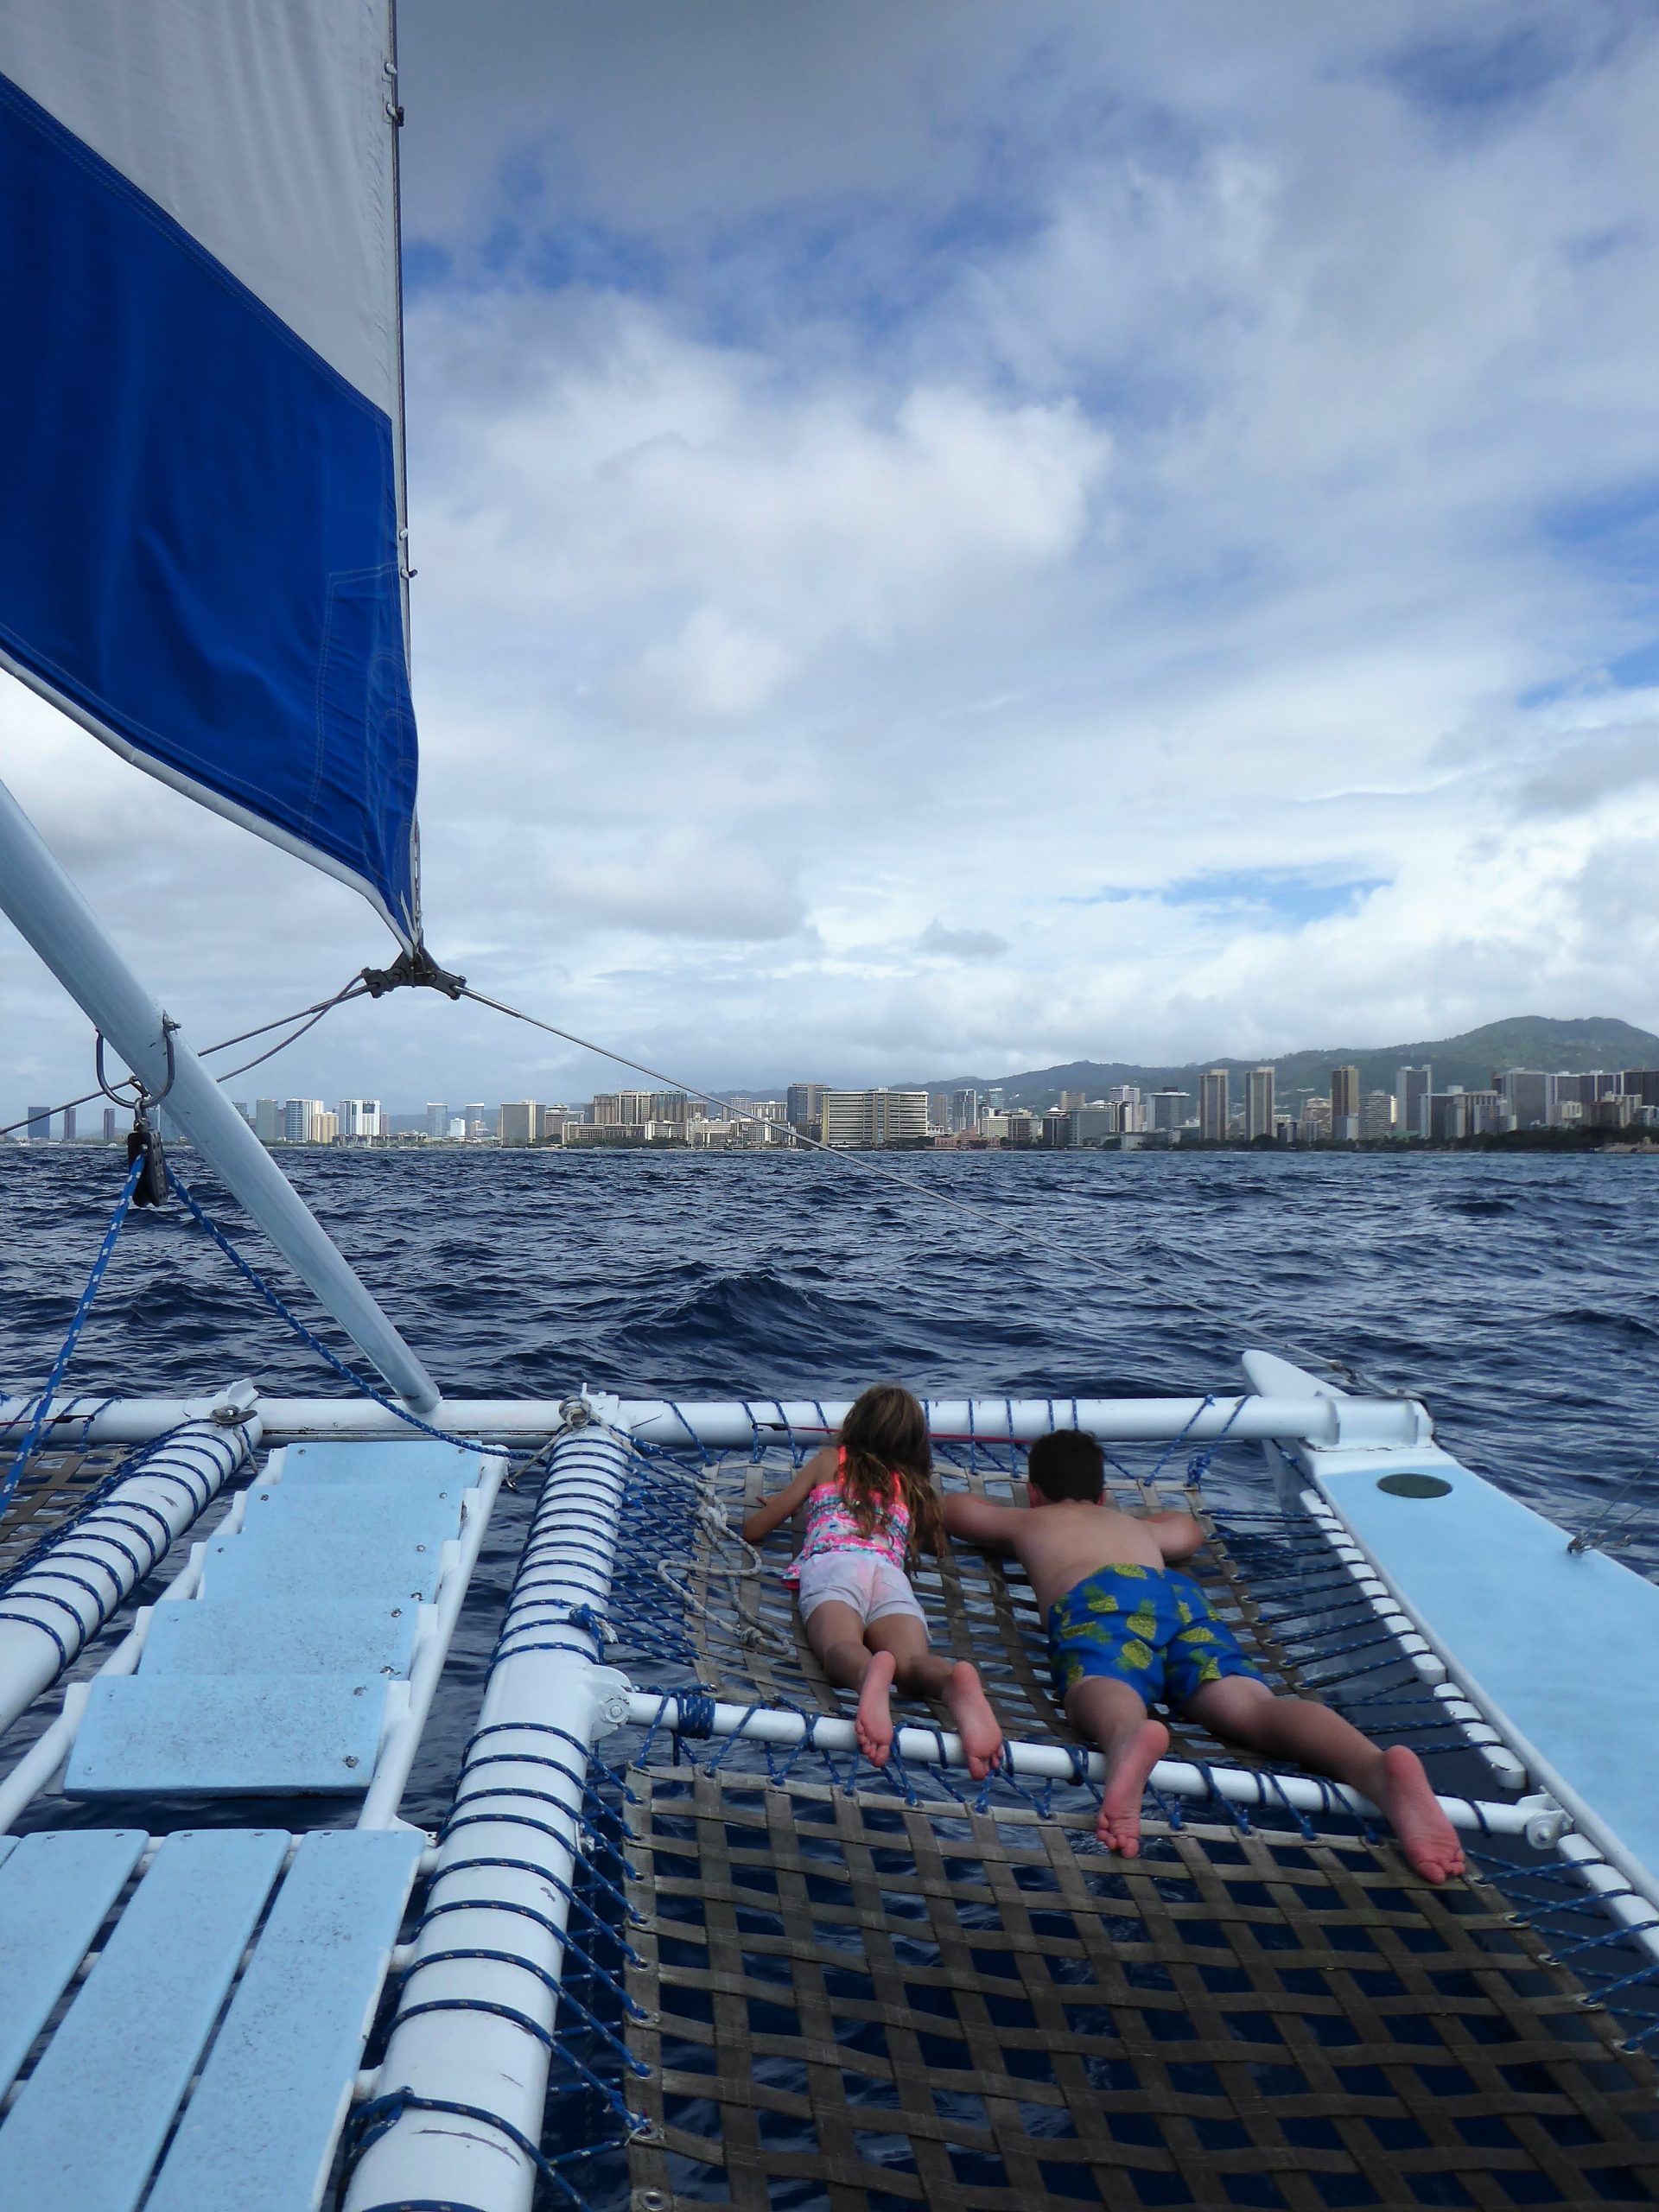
105	1251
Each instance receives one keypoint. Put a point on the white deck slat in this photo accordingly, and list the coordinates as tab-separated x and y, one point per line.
290	1564
259	2132
341	1636
233	1735
55	1893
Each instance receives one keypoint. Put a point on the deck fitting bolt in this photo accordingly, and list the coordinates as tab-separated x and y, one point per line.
351	1759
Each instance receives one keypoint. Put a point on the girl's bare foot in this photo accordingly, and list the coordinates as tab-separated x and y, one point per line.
1406	1795
873	1719
982	1738
1127	1765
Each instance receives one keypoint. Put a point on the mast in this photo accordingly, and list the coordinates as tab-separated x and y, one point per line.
51	914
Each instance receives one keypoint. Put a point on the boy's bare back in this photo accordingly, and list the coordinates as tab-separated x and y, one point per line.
1060	1543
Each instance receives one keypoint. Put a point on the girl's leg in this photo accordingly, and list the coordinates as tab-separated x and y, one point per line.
836	1633
1116	1717
921	1673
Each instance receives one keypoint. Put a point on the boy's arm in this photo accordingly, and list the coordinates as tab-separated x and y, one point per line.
978	1521
793	1495
1177	1535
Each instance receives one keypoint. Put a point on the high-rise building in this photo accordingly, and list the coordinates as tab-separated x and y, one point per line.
862	1120
40	1125
360	1119
1169	1109
1345	1094
1126	1097
519	1121
1376	1117
111	1124
804	1104
1412	1089
68	1136
1530	1096
1258	1104
1215	1106
1640	1084
268	1119
1314	1126
1070	1100
300	1117
477	1121
437	1118
993	1098
1055	1130
1094	1124
964	1111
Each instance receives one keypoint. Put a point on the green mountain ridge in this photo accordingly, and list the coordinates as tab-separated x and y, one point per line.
1470	1060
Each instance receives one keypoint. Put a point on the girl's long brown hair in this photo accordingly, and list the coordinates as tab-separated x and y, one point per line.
885	1434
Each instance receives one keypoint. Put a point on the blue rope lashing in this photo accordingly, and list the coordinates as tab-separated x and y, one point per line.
696	1713
72	1338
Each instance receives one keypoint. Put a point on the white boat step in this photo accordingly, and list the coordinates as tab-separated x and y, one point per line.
292	1563
333	1461
259	2132
359	1636
229	1736
55	1893
356	1512
90	2122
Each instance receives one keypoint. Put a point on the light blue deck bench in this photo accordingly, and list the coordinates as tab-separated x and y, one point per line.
259	2130
274	1678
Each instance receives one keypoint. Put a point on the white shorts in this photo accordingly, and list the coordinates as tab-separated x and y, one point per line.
872	1586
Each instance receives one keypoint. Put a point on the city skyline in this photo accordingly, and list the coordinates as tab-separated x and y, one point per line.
1414	1108
948	534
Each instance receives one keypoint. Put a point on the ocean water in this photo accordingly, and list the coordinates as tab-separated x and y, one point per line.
1518	1297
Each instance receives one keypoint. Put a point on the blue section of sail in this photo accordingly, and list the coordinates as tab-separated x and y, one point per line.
199	529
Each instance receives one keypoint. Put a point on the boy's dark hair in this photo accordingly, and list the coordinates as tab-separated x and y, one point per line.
1066	1465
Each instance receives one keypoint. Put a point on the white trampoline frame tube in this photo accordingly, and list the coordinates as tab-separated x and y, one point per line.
1053	1763
738	1423
486	2060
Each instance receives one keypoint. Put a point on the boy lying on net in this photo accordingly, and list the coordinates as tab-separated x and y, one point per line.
1124	1630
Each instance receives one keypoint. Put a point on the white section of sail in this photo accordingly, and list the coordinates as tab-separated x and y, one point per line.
261	127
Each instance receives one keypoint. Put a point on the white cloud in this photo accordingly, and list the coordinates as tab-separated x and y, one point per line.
881	477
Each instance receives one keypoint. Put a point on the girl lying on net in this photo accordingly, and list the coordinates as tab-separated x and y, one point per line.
871	1506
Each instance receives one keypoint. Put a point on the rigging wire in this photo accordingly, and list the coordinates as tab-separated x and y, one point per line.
860	1163
307	1016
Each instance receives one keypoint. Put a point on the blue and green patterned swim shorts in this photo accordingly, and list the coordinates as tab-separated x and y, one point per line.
1146	1626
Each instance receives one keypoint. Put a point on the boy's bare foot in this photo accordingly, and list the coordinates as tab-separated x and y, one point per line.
982	1738
1426	1837
873	1719
1127	1765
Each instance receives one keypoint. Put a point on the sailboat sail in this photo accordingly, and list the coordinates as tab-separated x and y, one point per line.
201	524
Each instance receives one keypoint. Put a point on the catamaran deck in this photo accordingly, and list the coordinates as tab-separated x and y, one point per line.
749	1968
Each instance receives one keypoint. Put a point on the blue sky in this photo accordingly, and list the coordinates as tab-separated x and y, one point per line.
967	536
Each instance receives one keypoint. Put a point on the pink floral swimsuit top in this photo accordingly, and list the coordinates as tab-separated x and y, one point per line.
831	1526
